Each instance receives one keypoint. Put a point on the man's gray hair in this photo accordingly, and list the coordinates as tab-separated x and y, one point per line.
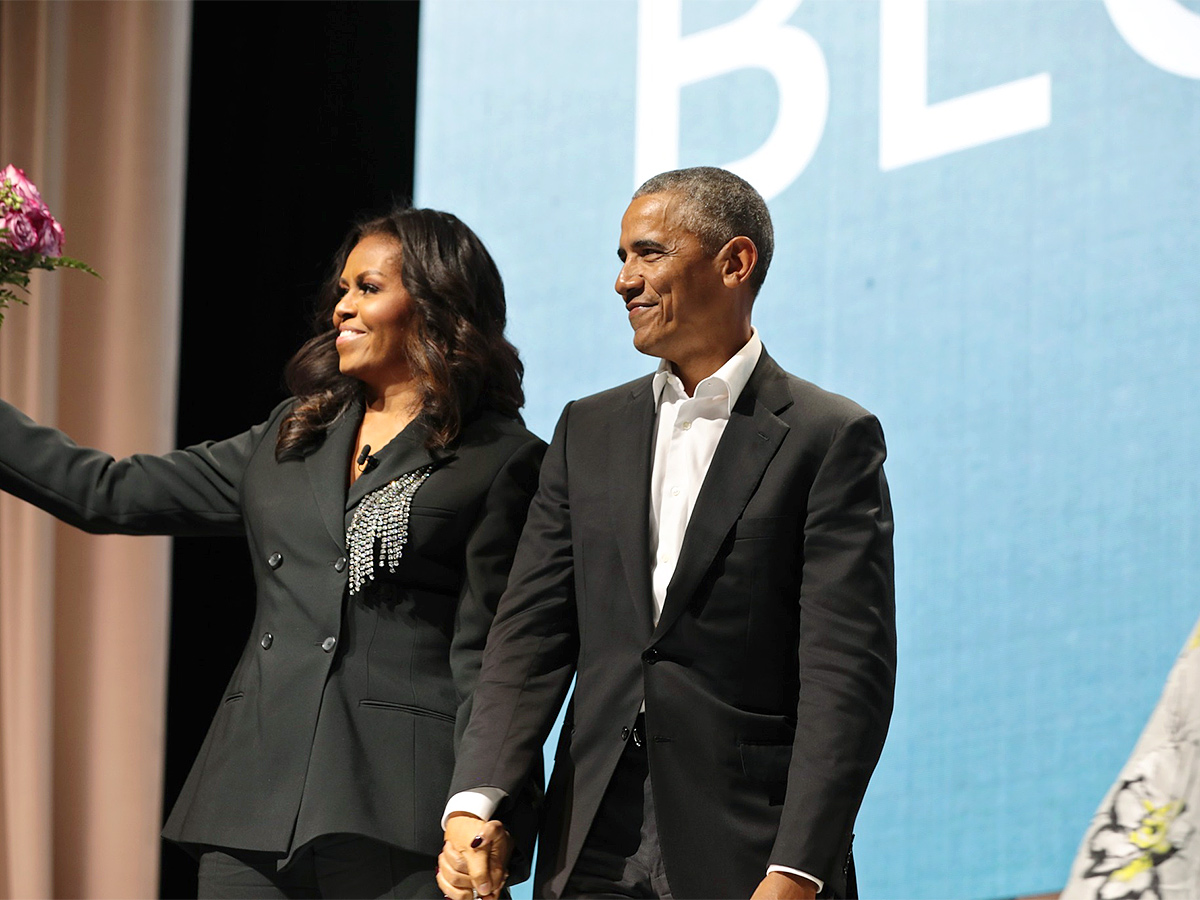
718	206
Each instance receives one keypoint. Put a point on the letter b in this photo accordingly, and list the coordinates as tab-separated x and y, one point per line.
761	38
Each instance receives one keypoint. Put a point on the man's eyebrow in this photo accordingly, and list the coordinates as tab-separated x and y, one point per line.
647	244
641	245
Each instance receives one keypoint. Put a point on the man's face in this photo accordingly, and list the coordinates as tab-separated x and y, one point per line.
672	289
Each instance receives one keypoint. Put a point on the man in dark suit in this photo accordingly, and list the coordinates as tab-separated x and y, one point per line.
709	554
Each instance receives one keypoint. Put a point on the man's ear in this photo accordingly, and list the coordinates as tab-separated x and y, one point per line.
737	260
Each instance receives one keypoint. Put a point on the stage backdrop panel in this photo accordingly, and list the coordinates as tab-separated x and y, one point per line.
987	233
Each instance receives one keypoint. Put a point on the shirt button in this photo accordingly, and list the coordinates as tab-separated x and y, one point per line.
275	560
340	565
665	558
328	644
685	425
267	640
675	492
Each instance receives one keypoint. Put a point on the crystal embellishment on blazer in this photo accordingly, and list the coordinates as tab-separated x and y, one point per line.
382	519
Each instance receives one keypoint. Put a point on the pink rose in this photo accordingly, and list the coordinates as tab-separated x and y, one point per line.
49	232
50	237
22	186
21	235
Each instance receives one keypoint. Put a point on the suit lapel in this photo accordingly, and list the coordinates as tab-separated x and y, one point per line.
328	469
404	453
750	441
630	442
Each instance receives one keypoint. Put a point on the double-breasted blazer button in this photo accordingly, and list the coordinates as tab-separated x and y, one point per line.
328	644
625	733
267	640
651	655
340	565
275	560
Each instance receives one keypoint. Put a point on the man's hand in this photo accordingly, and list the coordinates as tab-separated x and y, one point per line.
473	858
784	886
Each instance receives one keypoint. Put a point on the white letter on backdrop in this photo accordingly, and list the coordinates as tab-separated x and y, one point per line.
667	61
911	130
1162	32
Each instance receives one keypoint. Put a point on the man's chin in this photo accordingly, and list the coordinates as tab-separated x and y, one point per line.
645	343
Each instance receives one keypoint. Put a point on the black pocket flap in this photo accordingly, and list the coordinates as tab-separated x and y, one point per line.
765	762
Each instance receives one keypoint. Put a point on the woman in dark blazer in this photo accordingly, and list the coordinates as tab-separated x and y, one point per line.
382	504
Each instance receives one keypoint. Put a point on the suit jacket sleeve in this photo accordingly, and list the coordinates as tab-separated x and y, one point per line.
847	651
489	556
184	492
532	646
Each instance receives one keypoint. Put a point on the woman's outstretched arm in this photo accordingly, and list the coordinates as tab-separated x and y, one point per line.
192	491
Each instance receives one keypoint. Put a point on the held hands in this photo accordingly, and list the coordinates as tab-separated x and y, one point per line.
784	886
474	863
474	858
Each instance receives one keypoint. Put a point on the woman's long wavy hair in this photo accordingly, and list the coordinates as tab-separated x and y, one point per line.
457	352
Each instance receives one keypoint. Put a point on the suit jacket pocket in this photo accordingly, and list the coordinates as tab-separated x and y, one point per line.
408	708
765	762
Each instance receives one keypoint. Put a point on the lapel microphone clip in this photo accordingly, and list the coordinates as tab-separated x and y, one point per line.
365	460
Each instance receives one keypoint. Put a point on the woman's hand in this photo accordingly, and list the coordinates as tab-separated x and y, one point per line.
474	858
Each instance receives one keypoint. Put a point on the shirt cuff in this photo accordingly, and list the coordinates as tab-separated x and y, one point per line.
817	881
480	802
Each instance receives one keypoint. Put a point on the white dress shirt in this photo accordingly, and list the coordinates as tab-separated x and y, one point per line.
687	433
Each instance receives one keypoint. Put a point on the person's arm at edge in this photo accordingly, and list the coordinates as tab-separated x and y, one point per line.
847	653
192	491
489	552
527	665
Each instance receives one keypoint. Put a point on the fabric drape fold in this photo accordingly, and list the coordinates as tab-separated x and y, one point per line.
93	105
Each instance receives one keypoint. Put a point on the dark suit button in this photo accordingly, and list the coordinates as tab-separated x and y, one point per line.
267	640
624	734
651	655
340	565
328	644
275	560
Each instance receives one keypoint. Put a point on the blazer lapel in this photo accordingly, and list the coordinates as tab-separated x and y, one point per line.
630	445
404	453
328	469
750	441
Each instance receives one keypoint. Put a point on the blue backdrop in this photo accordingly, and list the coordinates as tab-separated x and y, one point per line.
988	234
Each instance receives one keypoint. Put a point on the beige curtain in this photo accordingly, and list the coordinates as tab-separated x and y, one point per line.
93	101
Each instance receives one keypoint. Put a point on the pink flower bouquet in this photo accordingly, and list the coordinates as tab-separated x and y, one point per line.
30	238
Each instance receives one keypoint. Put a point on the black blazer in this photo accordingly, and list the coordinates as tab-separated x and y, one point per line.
768	681
341	714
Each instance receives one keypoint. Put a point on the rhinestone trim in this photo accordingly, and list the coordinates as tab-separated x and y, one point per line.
381	521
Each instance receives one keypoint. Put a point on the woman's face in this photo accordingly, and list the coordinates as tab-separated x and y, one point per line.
373	315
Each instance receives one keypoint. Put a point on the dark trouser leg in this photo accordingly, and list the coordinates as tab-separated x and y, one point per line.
350	866
622	856
246	875
333	867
